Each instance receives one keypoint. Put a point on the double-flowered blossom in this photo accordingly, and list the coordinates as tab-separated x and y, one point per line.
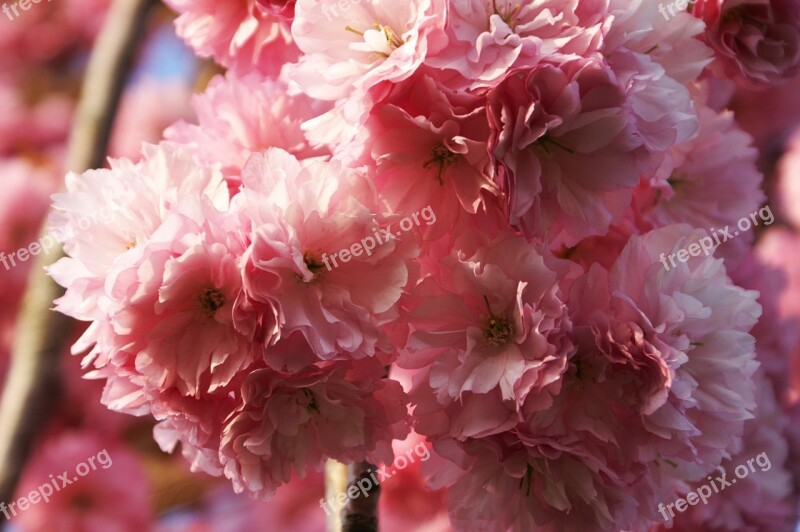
261	285
756	42
239	35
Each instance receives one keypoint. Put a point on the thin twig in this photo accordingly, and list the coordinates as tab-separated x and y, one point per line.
31	390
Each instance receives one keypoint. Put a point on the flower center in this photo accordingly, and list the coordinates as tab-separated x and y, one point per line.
311	403
441	158
506	14
497	330
211	300
381	40
312	262
546	143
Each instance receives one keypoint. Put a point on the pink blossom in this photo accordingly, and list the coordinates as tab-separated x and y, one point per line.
660	333
710	182
763	500
240	115
493	322
486	39
238	35
289	423
174	307
123	206
299	217
565	164
640	26
756	41
363	45
437	160
520	482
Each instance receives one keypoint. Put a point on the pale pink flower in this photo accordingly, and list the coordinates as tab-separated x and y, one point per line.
487	38
156	267
709	182
288	424
237	34
237	116
105	214
173	307
757	42
366	44
647	401
764	499
112	496
303	221
647	27
672	346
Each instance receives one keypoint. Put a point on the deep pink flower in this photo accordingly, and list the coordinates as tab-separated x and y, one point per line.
288	424
756	42
565	151
283	9
437	160
493	322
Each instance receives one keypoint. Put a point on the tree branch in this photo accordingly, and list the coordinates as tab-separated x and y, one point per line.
31	390
361	512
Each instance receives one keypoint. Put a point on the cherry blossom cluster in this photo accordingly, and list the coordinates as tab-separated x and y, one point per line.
563	378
